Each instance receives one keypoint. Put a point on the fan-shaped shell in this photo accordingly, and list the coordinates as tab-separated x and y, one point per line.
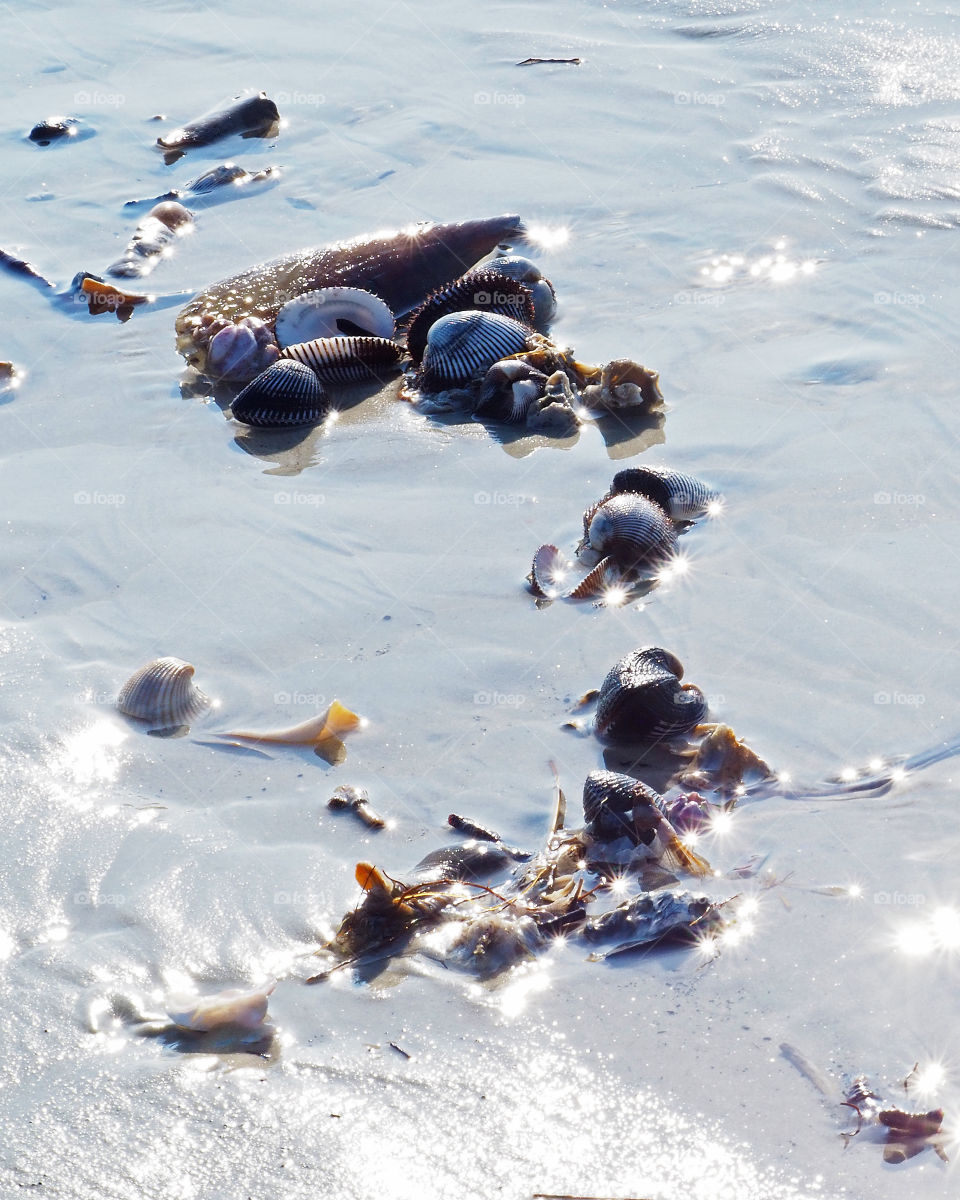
484	289
287	393
547	572
318	314
631	530
164	693
616	805
541	289
683	496
604	576
642	697
347	359
462	346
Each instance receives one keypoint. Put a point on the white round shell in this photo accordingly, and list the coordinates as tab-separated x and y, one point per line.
163	692
315	315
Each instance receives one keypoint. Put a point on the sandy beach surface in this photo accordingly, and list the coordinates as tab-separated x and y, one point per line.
759	201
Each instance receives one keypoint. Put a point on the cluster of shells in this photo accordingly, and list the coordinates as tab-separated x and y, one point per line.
628	535
478	343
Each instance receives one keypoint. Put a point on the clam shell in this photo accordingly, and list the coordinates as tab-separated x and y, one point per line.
547	572
287	393
484	289
642	697
163	692
508	390
461	347
317	315
616	805
605	575
347	359
631	530
683	496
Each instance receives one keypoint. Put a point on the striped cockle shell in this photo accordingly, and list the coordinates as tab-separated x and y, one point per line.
683	496
287	393
461	347
318	314
642	698
632	530
484	289
616	805
508	390
604	581
163	692
347	359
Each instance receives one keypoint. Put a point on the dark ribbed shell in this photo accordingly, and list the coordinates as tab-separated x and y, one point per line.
286	393
617	805
483	289
631	530
642	697
347	359
508	391
683	496
462	346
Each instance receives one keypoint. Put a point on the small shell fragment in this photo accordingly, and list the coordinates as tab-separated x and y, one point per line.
605	578
357	800
323	733
234	1007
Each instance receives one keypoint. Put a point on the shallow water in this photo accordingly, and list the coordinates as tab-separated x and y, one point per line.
762	205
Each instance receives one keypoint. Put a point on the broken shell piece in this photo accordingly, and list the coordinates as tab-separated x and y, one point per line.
554	410
547	572
323	733
102	297
357	800
623	384
234	1007
605	580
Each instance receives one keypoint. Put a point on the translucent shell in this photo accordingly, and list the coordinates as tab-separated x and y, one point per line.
347	359
164	693
461	347
318	314
642	697
287	393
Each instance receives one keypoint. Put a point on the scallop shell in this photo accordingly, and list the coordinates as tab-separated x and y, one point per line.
547	572
462	346
642	697
631	530
484	289
317	315
234	1007
508	390
163	692
347	359
287	393
683	496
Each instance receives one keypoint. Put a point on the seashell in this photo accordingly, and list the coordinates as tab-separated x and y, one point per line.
616	806
683	496
723	764
54	129
508	390
605	578
323	733
402	267
484	289
347	359
623	384
642	698
357	800
541	289
152	240
287	393
317	315
240	352
102	297
253	116
547	573
645	919
234	1007
163	692
554	411
227	179
631	530
461	347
